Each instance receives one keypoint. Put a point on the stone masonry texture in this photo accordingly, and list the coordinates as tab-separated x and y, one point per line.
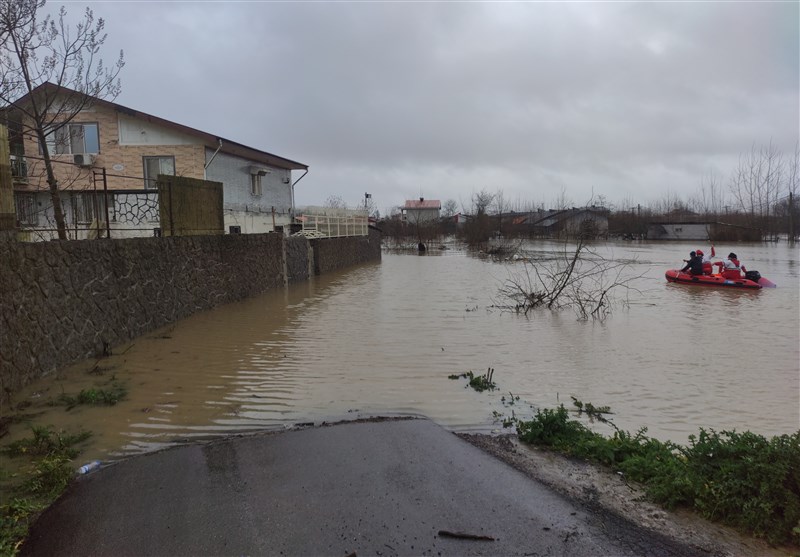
64	301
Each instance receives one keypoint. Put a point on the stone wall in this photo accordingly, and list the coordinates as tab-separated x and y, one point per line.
298	259
61	302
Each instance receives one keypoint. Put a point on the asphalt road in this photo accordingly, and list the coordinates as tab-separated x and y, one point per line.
364	488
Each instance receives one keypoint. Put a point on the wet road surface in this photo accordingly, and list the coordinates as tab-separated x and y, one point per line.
392	487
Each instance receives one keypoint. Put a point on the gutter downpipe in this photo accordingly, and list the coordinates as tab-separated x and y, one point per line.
293	185
205	167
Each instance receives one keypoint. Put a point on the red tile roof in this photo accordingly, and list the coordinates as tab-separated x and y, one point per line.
422	204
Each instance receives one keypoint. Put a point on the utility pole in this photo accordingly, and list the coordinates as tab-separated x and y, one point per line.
791	218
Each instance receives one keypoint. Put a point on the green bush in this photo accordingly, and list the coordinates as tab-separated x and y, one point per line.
740	479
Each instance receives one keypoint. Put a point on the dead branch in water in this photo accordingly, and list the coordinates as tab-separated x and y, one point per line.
579	278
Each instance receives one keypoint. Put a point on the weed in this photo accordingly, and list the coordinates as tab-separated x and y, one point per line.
47	443
95	396
740	479
511	400
49	474
592	412
478	382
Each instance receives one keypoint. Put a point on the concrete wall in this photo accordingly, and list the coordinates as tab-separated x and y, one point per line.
61	302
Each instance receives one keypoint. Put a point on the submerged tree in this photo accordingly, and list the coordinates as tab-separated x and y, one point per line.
49	73
578	277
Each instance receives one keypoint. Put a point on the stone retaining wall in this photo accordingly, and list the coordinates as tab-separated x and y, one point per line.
63	301
331	254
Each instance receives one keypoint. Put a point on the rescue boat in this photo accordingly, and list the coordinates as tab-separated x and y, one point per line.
752	280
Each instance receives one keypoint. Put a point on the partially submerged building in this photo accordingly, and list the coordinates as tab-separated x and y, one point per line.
108	160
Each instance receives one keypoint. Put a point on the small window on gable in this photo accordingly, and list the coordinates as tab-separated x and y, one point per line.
255	184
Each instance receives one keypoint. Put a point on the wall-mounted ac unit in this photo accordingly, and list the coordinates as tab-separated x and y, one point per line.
83	159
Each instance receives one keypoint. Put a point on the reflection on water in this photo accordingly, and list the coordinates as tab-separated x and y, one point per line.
382	339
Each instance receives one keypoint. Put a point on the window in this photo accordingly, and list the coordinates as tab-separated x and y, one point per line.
153	166
83	205
255	184
27	213
73	139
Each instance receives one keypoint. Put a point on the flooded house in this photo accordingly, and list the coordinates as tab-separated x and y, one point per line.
591	221
108	160
422	211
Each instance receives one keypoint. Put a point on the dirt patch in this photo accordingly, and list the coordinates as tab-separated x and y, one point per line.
601	487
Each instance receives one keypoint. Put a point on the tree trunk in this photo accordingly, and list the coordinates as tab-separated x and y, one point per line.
55	195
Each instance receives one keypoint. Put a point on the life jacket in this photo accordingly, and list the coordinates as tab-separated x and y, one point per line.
708	268
730	268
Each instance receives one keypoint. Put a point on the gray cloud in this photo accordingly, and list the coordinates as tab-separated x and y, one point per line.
443	99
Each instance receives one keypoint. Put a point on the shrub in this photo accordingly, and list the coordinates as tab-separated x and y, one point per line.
740	479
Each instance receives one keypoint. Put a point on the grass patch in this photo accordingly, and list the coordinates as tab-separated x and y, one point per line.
95	396
478	382
44	442
50	471
740	479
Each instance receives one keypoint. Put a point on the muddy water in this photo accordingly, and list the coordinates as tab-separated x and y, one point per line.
383	338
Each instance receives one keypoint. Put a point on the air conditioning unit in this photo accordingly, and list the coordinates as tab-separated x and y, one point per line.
83	159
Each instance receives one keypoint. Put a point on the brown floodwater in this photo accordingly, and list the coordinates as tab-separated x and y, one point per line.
382	338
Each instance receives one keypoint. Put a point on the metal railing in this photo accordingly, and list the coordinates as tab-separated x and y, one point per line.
333	224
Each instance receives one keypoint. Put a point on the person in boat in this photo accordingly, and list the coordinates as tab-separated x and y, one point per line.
694	264
731	268
707	266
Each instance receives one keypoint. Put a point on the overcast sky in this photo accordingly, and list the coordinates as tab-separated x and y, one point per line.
632	101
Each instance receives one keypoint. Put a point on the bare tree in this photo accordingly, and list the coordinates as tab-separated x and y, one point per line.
481	201
335	202
500	206
449	208
49	73
578	278
711	196
757	183
563	201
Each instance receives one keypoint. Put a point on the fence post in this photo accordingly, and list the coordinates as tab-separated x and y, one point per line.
171	220
105	202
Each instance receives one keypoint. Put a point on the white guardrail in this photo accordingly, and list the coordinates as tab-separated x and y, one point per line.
333	223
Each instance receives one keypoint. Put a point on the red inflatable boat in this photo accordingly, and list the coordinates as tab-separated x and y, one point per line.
753	280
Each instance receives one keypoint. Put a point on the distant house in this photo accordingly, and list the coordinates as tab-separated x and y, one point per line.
592	221
679	230
421	211
109	157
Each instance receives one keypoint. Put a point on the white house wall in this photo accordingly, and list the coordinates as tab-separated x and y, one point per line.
678	232
252	212
134	131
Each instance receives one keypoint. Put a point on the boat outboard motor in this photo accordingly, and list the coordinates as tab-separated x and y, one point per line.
755	276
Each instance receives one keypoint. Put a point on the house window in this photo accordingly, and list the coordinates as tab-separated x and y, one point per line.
153	166
255	184
27	213
74	138
83	205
